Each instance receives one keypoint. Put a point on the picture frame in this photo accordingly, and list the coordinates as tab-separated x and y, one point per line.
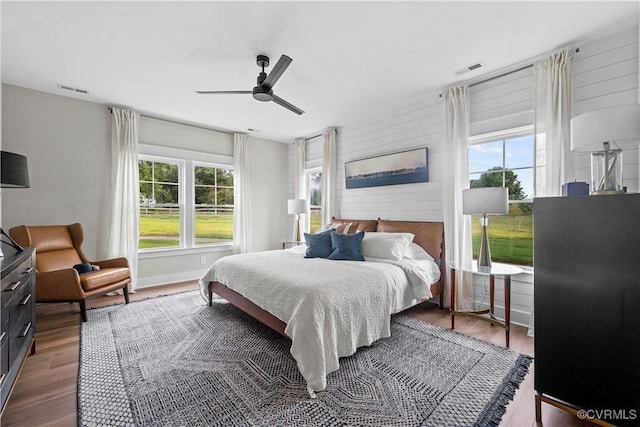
402	167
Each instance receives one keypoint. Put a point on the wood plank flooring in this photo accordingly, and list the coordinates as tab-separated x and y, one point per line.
45	392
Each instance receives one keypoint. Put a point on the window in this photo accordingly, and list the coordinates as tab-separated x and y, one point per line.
183	203
213	213
506	159
314	184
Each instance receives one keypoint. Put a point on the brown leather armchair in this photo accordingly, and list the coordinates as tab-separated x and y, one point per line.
57	251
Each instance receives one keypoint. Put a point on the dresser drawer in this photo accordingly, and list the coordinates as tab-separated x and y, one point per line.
20	337
15	279
21	301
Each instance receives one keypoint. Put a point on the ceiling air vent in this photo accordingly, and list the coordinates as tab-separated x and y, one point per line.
72	89
468	68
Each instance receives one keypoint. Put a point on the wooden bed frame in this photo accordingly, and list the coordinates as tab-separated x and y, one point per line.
428	235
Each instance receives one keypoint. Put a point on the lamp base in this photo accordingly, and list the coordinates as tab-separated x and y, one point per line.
297	228
484	254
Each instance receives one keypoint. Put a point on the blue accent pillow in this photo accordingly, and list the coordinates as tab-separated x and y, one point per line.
318	245
346	247
83	268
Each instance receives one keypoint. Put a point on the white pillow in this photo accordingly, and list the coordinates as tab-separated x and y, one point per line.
386	245
384	235
415	251
325	228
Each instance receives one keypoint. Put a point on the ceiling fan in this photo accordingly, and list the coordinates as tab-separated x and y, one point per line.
264	90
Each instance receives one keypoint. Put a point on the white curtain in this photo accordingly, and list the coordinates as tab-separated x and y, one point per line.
122	240
553	100
457	227
328	176
300	187
242	230
553	86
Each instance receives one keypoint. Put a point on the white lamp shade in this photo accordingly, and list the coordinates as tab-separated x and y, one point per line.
297	206
486	200
620	126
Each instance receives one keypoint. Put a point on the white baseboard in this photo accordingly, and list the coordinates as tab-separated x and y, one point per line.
147	282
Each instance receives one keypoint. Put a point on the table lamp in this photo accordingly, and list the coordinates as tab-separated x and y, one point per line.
14	173
605	133
485	201
297	207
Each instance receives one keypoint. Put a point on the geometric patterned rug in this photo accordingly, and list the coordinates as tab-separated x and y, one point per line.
174	361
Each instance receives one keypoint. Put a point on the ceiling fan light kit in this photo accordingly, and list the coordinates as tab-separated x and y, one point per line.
264	90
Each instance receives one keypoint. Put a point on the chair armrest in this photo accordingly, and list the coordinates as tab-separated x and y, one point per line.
113	263
59	285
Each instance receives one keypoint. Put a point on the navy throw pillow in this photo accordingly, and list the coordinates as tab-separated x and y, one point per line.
85	267
346	246
318	245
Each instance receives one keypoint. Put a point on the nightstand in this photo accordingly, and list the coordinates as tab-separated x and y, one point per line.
290	244
497	269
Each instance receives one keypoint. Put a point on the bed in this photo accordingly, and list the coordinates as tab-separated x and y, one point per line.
330	308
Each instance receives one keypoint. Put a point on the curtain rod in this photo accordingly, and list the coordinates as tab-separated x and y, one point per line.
505	74
178	123
311	137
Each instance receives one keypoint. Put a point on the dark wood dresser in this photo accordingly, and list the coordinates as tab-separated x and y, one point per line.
17	315
587	306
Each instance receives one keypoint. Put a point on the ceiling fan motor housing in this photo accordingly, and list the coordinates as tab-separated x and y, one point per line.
262	93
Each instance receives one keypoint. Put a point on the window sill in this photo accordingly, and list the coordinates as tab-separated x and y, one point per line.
163	253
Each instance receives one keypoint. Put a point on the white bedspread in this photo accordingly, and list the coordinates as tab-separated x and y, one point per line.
330	307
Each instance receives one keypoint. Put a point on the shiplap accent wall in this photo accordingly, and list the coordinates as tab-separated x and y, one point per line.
417	125
606	75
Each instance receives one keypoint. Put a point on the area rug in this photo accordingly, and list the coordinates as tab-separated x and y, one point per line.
174	361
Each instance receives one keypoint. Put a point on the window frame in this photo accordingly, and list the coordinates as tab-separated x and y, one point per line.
187	160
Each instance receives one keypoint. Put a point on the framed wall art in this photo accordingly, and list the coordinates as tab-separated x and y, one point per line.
404	167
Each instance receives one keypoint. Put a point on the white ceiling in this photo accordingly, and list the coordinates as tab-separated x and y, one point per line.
350	59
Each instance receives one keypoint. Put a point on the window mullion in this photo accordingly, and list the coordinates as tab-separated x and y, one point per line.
188	202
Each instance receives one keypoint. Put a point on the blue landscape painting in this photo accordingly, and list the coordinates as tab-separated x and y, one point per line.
397	168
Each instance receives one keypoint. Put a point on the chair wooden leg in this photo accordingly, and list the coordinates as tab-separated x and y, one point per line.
125	291
83	309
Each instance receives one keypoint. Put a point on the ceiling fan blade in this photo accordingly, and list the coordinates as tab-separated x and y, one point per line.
277	71
286	105
224	92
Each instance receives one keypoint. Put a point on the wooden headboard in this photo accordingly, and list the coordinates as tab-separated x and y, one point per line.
429	235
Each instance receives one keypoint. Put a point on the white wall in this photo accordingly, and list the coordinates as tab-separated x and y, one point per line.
67	142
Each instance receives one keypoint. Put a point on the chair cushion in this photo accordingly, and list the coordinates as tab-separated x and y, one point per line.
47	238
104	277
57	260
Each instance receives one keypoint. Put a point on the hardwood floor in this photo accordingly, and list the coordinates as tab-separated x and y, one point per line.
45	392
